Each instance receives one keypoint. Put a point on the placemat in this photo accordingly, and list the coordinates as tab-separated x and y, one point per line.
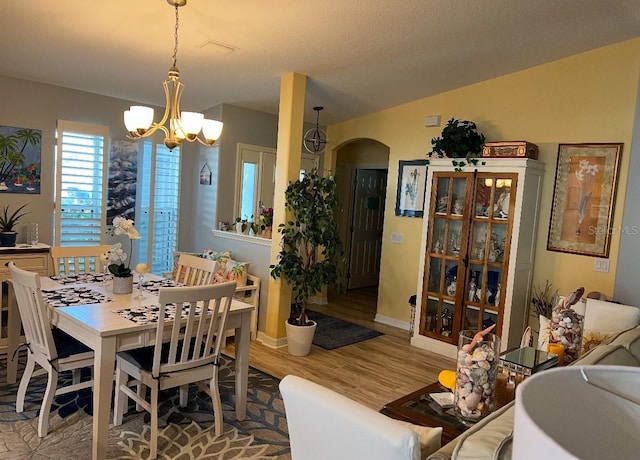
153	286
81	278
146	314
73	296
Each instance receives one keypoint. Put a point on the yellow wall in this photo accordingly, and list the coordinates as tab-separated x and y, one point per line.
590	97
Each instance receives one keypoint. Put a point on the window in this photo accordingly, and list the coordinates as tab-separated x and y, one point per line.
81	162
159	192
257	178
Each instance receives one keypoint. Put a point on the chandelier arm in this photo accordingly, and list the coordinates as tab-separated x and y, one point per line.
205	143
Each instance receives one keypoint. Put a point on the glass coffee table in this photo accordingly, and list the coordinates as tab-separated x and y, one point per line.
418	408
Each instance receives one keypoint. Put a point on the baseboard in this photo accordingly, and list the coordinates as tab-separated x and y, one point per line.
318	300
436	346
391	322
271	342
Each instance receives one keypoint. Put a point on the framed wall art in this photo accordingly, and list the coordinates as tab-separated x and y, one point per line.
123	173
20	160
583	198
412	180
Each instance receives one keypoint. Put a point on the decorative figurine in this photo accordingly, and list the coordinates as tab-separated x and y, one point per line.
472	289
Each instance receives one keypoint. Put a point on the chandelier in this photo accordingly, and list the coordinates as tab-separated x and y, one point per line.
315	139
186	125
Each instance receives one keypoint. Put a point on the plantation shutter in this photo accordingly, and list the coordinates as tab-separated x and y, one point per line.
159	205
81	186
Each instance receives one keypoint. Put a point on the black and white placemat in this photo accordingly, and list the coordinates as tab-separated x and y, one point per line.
153	286
146	314
81	278
73	296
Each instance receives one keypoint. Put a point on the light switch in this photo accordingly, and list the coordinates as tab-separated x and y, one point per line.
396	238
601	265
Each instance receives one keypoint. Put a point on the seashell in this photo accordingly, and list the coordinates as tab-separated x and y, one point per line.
472	400
479	355
484	365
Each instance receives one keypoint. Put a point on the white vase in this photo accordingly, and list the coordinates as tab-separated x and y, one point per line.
238	227
299	338
123	284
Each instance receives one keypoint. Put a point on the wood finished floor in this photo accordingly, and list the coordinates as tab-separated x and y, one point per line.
373	372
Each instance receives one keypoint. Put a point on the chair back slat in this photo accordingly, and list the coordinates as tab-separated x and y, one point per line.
73	260
195	271
33	311
194	338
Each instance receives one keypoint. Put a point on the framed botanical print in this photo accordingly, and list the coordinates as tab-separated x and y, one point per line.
412	180
583	198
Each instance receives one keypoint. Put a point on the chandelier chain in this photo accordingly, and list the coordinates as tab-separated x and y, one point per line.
175	39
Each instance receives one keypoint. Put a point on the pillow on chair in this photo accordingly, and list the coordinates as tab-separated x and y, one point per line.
220	257
603	320
235	271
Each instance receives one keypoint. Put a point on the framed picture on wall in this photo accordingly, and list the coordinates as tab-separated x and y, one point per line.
583	198
412	180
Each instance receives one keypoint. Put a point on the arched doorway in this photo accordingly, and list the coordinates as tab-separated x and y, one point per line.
361	170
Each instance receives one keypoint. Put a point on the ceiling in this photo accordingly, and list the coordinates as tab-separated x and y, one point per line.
361	56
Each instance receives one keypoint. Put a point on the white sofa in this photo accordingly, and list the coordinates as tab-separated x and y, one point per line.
325	425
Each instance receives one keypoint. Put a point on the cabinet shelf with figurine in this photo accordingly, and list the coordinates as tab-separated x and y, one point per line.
478	244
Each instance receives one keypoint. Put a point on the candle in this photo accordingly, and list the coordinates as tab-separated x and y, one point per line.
557	349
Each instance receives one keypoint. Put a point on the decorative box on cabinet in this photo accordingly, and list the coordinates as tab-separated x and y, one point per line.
477	251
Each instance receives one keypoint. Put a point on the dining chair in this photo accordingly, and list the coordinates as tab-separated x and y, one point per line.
78	259
195	271
190	356
52	349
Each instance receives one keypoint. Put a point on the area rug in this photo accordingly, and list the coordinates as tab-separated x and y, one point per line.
184	433
333	333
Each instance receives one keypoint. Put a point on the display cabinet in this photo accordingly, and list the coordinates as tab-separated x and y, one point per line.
478	245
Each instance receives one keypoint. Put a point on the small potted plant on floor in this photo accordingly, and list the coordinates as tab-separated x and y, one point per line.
8	222
309	249
459	139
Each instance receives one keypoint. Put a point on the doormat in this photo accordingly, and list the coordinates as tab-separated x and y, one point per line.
333	333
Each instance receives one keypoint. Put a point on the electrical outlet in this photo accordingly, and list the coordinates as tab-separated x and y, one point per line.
396	238
601	265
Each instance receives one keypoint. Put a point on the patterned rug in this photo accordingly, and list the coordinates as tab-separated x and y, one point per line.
184	433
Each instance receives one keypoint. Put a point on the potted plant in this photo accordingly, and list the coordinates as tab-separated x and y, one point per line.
310	244
243	224
122	275
459	139
8	221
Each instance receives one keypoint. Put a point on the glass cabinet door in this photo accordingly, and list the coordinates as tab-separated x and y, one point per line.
489	241
446	247
468	243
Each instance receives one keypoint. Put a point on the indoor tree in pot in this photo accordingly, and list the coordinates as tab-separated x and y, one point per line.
309	248
8	221
459	139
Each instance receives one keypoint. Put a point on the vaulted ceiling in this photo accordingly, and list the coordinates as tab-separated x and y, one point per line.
361	56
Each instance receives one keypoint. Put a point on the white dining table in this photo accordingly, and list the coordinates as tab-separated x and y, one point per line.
106	332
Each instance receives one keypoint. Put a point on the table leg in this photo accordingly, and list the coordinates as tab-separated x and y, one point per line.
13	335
104	365
242	339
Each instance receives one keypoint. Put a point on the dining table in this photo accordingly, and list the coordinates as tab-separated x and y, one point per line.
85	307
